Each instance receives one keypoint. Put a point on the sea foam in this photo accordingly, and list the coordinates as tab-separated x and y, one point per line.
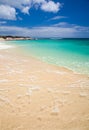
4	46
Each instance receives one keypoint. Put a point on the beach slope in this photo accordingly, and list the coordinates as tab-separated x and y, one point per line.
38	96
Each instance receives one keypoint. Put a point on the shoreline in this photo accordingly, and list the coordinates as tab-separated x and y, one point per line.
5	46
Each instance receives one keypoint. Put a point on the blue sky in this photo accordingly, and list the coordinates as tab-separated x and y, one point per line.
45	18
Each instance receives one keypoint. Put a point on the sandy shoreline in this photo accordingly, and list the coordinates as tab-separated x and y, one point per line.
38	96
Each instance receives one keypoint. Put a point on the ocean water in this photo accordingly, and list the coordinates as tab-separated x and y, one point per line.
70	53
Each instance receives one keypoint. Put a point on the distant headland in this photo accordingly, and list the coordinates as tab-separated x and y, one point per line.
2	38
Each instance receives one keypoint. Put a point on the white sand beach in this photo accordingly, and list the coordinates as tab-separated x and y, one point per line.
38	96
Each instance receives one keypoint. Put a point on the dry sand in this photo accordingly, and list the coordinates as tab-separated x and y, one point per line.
38	96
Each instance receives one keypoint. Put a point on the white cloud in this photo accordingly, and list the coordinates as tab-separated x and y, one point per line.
64	24
7	12
26	10
16	3
61	24
24	6
57	17
51	31
51	6
39	1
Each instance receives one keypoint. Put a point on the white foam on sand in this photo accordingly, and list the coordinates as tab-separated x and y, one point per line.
4	46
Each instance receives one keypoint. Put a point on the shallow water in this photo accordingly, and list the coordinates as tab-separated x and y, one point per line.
70	53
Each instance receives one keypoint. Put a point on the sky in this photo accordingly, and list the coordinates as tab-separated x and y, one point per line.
45	18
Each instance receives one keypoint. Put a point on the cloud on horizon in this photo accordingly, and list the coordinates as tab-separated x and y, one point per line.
70	31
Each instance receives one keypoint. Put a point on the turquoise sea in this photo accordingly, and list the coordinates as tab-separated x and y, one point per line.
70	53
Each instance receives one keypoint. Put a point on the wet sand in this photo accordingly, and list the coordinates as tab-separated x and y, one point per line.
38	96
